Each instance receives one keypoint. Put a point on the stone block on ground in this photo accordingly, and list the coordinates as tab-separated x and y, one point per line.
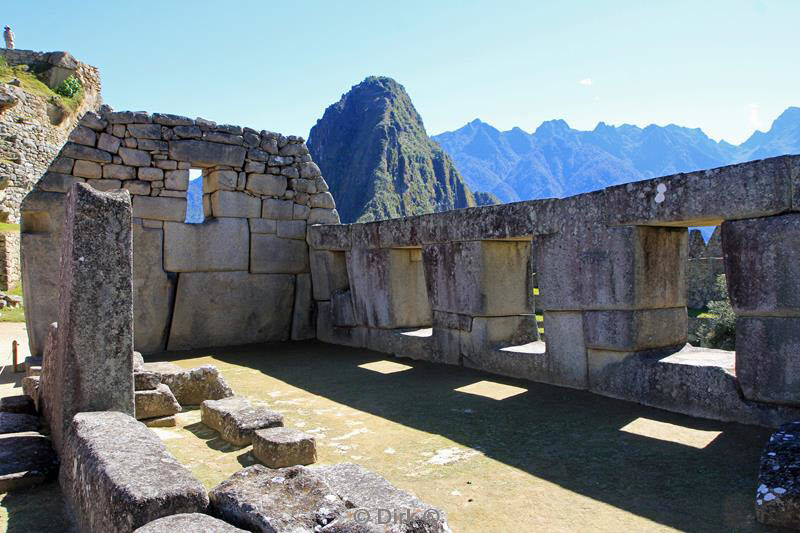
237	418
189	523
361	488
26	459
107	494
260	499
156	403
280	447
160	422
778	492
144	380
95	332
17	422
233	310
20	404
194	386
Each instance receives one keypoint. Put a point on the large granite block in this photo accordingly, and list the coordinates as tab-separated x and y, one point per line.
762	261
193	386
153	290
116	475
279	447
189	523
207	154
95	332
597	267
156	402
328	273
566	351
237	418
26	459
768	358
215	245
303	319
233	311
270	254
235	204
643	329
159	208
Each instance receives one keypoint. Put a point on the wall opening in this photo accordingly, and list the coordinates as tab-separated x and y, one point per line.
711	320
194	198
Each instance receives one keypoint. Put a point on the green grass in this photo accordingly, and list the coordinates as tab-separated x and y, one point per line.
31	84
700	313
15	314
5	227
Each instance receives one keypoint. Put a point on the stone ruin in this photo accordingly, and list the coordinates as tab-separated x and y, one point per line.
271	263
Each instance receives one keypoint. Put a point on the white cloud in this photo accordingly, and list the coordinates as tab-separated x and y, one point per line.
753	120
586	82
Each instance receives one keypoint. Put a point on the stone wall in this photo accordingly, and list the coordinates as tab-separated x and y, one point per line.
242	276
611	269
9	261
33	130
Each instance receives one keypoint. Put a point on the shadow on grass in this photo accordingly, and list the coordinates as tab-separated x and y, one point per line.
35	509
569	437
211	437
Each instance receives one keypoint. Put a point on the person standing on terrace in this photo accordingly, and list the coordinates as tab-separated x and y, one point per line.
8	35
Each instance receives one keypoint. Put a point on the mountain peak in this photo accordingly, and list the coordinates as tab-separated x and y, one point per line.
552	127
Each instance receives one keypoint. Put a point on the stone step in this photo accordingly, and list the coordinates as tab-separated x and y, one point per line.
279	447
26	459
154	403
17	423
237	418
20	404
188	523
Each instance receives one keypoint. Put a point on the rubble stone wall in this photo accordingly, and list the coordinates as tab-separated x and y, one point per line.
9	260
704	265
242	276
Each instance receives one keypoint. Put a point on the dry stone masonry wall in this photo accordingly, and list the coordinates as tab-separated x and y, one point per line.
242	276
32	128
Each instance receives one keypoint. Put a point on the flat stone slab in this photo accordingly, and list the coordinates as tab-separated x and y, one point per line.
118	475
189	523
26	459
362	489
156	403
258	498
194	386
778	492
20	404
160	422
237	418
280	447
145	381
17	423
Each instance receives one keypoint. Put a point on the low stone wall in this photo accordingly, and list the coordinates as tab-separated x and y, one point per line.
9	261
195	285
611	269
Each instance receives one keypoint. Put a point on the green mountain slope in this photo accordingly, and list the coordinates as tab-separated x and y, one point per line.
378	160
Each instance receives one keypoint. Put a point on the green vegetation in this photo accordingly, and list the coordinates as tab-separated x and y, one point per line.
6	227
32	84
69	87
15	314
718	329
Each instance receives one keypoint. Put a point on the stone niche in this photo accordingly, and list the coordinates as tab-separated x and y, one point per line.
242	276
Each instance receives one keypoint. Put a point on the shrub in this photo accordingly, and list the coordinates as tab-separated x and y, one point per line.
720	330
69	87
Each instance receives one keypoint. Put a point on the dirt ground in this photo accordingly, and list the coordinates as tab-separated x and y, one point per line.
496	454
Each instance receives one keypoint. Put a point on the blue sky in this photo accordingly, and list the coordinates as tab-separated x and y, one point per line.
727	67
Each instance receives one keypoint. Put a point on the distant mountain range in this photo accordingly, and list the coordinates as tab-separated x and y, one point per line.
557	161
378	160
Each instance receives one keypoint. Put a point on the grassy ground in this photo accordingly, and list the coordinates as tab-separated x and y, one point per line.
30	83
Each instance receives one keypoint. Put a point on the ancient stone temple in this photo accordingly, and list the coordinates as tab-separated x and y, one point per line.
606	271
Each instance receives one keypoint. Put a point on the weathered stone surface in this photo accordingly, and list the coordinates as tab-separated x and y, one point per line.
150	174
156	402
233	311
763	264
18	422
30	387
265	500
119	172
220	180
106	493
706	197
768	358
189	523
166	119
159	208
303	320
778	493
235	204
194	386
272	255
279	447
153	290
26	459
109	143
55	182
320	215
266	184
215	245
135	158
484	278
291	229
328	332
361	488
105	185
87	169
566	363
138	362
145	131
328	273
161	422
20	404
79	151
177	179
143	380
207	154
95	332
237	418
277	209
635	330
263	225
388	288
324	200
